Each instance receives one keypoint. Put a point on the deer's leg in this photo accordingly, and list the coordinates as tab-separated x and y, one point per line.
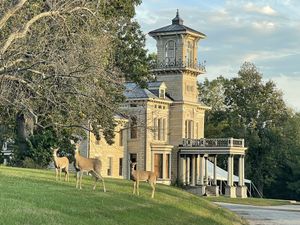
56	173
67	173
104	189
60	169
134	187
138	187
77	178
81	174
153	189
96	179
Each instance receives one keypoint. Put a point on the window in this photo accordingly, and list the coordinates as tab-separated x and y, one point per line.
162	93
189	129
133	128
132	158
120	166
155	125
164	129
121	137
160	128
158	167
170	51
109	169
189	54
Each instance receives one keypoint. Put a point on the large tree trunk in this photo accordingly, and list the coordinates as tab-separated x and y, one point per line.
22	135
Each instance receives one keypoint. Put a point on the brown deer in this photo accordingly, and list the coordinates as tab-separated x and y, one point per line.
91	166
61	163
140	175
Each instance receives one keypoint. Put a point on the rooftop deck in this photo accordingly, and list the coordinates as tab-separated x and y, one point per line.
212	146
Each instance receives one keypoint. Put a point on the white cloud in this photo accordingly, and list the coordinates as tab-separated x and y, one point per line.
264	25
268	55
146	16
266	10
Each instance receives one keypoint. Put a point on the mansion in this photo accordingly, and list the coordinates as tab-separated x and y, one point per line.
164	131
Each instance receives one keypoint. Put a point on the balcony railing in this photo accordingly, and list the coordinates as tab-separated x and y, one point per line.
217	142
179	64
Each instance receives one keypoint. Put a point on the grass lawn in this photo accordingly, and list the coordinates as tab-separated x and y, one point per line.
249	201
30	197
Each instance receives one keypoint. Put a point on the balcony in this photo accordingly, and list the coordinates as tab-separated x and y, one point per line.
213	146
179	65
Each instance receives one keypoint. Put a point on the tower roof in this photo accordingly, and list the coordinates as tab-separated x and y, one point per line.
177	20
176	26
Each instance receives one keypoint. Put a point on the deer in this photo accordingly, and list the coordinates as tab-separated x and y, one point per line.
60	163
91	166
140	175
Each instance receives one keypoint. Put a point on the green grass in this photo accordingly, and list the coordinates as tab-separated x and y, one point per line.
249	201
29	196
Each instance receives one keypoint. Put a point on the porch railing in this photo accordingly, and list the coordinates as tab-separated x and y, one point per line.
213	142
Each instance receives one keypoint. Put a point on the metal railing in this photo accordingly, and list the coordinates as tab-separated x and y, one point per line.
169	63
213	142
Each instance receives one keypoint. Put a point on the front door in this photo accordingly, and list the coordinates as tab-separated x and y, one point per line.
158	165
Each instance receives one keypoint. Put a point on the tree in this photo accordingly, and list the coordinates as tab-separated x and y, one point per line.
56	67
130	44
251	109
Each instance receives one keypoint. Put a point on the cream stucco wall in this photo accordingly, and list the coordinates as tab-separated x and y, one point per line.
116	151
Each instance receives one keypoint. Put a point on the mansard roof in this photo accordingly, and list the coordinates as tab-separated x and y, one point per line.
134	91
156	85
176	26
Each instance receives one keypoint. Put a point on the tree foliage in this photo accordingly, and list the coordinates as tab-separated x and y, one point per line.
63	63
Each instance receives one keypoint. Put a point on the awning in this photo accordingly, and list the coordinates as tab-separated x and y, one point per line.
221	174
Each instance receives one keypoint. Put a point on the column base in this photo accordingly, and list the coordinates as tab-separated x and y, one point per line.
230	191
241	191
212	190
197	190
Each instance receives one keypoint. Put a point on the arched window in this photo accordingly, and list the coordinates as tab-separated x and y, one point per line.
170	49
189	54
133	127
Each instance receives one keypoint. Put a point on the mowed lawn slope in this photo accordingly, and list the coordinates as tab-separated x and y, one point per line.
29	196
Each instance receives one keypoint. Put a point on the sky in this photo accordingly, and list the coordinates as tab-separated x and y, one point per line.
264	32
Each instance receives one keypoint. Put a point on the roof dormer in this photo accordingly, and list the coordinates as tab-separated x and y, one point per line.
158	88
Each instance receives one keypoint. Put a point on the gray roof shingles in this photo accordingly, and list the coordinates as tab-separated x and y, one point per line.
176	26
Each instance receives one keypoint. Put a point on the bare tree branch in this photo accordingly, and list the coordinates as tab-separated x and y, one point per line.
11	12
23	32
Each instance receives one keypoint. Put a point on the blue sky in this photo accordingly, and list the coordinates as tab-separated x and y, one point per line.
265	32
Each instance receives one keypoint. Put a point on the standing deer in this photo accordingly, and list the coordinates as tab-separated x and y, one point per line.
61	163
140	175
92	166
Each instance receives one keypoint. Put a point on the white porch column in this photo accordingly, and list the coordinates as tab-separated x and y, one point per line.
215	170
206	172
243	169
193	170
230	171
230	190
240	171
188	170
242	189
198	170
201	174
164	172
183	169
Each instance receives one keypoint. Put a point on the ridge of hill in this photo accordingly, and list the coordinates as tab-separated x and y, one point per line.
34	197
